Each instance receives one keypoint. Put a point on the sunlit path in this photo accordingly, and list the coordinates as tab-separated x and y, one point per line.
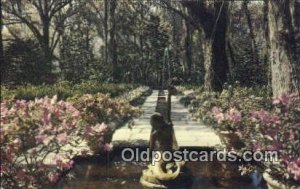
189	133
139	133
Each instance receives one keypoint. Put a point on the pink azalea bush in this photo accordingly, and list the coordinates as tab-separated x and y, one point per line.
229	120
98	110
98	137
276	129
242	99
37	141
101	108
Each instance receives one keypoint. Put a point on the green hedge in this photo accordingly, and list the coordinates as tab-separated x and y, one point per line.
64	90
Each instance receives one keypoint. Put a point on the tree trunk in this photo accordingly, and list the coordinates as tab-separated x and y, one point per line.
112	43
45	42
141	41
220	61
47	67
208	67
2	63
231	59
176	39
296	15
282	48
267	46
44	14
214	24
188	49
254	49
105	31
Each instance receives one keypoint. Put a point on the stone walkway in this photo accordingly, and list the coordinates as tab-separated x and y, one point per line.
188	133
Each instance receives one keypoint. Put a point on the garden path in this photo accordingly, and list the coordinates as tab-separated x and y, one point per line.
189	133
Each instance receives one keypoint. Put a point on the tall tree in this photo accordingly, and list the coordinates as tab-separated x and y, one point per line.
283	56
113	56
188	47
106	30
212	16
47	28
254	49
297	15
2	64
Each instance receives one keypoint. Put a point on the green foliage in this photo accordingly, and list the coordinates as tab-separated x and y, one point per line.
77	60
26	63
64	90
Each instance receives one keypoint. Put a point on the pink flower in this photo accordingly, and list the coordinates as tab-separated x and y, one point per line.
262	115
40	138
275	119
220	118
62	138
43	139
293	168
234	115
216	110
20	104
63	162
218	115
76	113
284	99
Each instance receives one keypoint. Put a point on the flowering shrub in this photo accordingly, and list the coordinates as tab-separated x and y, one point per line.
231	120
30	131
242	99
261	122
276	129
35	135
97	137
100	108
279	129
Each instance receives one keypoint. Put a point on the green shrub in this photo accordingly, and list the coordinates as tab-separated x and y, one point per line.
64	90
